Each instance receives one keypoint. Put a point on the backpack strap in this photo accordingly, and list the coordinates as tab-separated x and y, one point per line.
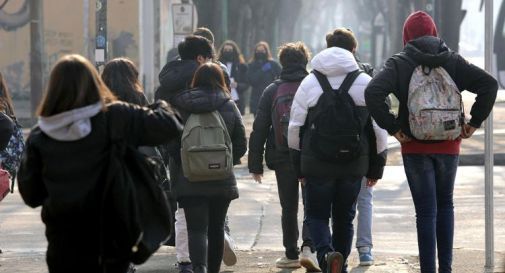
323	81
349	80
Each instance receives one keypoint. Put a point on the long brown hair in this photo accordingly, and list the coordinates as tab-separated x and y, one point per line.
210	76
237	54
73	83
122	78
267	49
5	98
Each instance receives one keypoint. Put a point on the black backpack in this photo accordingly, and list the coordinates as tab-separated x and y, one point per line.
334	126
135	212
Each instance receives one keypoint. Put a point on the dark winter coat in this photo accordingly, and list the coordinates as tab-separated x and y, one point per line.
66	178
261	74
431	52
239	74
202	101
263	132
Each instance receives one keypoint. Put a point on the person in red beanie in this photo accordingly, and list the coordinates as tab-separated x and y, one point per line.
430	166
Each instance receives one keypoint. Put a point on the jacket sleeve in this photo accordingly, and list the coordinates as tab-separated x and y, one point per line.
276	69
476	80
376	95
149	126
378	151
238	138
298	115
31	186
261	128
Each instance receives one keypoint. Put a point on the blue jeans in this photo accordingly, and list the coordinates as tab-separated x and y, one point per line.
431	181
333	198
365	211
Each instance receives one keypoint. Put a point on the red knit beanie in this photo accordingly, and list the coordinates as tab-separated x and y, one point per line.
418	24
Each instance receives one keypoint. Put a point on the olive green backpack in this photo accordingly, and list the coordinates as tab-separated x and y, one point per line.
206	148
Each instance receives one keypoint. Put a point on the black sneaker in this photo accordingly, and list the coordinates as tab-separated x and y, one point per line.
334	262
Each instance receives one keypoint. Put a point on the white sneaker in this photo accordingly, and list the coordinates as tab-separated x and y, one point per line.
229	256
284	262
308	259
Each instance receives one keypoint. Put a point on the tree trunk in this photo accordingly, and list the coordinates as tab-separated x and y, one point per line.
449	17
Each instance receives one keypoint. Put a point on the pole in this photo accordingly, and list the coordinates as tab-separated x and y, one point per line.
85	28
224	19
36	54
101	33
489	154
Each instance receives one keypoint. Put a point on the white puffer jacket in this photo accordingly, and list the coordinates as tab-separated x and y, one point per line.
335	63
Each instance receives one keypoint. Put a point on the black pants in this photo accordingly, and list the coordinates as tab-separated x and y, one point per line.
287	186
205	222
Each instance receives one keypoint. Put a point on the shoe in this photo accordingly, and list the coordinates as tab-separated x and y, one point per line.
308	260
365	256
285	262
131	269
334	262
229	256
185	267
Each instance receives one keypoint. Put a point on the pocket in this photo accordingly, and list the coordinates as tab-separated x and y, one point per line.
436	124
209	161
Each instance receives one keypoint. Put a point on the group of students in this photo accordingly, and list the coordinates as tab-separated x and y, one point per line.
65	162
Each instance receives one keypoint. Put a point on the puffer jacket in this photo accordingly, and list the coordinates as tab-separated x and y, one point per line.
202	101
335	63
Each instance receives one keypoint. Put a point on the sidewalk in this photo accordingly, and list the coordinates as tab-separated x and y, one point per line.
465	261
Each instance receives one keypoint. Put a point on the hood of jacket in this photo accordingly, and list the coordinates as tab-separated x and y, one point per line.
177	75
334	61
428	50
294	73
200	100
70	125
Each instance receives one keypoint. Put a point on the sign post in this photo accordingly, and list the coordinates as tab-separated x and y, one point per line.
101	33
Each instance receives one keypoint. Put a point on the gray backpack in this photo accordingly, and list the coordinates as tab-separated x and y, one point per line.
435	105
206	148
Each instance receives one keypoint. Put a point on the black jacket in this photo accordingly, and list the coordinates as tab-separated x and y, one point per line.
6	130
201	101
260	79
175	77
263	132
67	177
431	52
239	74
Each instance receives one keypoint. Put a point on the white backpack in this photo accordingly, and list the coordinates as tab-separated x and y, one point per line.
435	105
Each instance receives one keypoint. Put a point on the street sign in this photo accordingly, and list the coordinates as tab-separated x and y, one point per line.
183	18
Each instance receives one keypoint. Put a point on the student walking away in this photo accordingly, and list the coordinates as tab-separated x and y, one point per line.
65	164
203	174
175	78
335	145
230	55
341	37
270	126
262	71
430	126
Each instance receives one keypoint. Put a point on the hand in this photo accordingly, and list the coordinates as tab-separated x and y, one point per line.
267	66
257	177
467	131
371	182
401	137
233	84
301	180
